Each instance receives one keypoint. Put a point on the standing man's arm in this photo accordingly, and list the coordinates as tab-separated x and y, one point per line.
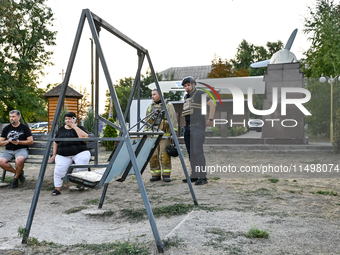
212	108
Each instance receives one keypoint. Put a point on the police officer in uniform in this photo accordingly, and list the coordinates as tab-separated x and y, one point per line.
160	163
194	134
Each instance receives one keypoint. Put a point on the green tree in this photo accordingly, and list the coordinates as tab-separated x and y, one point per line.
323	57
248	53
24	37
244	55
89	121
148	79
336	142
83	103
61	120
123	89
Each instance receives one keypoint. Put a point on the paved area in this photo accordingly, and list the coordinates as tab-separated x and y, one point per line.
311	146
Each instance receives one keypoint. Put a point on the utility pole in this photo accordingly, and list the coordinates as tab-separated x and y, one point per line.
92	82
62	75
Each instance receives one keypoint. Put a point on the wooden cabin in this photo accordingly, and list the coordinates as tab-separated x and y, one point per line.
71	101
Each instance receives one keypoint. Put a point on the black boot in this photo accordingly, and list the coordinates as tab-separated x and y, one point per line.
155	178
166	178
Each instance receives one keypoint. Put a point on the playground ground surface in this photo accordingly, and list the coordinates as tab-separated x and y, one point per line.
299	211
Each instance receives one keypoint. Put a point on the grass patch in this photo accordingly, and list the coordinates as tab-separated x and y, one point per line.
259	192
273	180
167	211
32	241
174	241
177	199
115	248
133	214
327	193
75	209
91	201
222	235
254	232
109	213
214	178
9	179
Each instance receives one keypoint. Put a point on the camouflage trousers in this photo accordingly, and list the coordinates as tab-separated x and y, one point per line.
160	162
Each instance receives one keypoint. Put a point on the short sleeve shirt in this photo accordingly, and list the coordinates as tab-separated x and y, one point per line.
20	132
69	148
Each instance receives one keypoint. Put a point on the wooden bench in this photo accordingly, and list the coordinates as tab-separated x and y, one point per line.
38	148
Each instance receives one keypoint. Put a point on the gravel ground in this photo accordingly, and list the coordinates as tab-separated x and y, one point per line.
299	211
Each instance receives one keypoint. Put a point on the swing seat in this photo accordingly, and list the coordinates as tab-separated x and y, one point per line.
143	148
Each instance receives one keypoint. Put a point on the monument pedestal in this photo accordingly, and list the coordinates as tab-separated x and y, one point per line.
277	125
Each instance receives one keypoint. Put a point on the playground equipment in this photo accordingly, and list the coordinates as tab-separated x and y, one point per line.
133	154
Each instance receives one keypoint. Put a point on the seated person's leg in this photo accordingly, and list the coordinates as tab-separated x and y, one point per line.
61	166
82	158
5	156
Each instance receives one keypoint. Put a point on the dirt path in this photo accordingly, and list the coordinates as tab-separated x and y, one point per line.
299	211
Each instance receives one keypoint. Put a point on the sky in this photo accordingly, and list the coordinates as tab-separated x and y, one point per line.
175	33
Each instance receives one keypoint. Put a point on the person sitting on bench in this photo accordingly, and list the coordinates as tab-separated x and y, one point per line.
67	152
16	137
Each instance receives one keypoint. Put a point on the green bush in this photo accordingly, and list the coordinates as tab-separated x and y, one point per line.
89	121
109	132
236	131
216	130
336	138
61	120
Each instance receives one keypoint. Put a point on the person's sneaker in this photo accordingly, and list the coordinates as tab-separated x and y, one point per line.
191	179
155	178
166	178
201	181
14	184
22	177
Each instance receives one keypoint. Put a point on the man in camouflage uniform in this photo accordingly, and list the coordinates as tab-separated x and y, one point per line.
160	163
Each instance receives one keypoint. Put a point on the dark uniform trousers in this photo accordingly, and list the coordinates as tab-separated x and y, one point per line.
194	137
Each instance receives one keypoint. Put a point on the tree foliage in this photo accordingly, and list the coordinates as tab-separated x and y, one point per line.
171	96
147	79
83	103
24	37
323	57
322	28
223	69
248	53
61	120
123	89
110	132
336	142
89	121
